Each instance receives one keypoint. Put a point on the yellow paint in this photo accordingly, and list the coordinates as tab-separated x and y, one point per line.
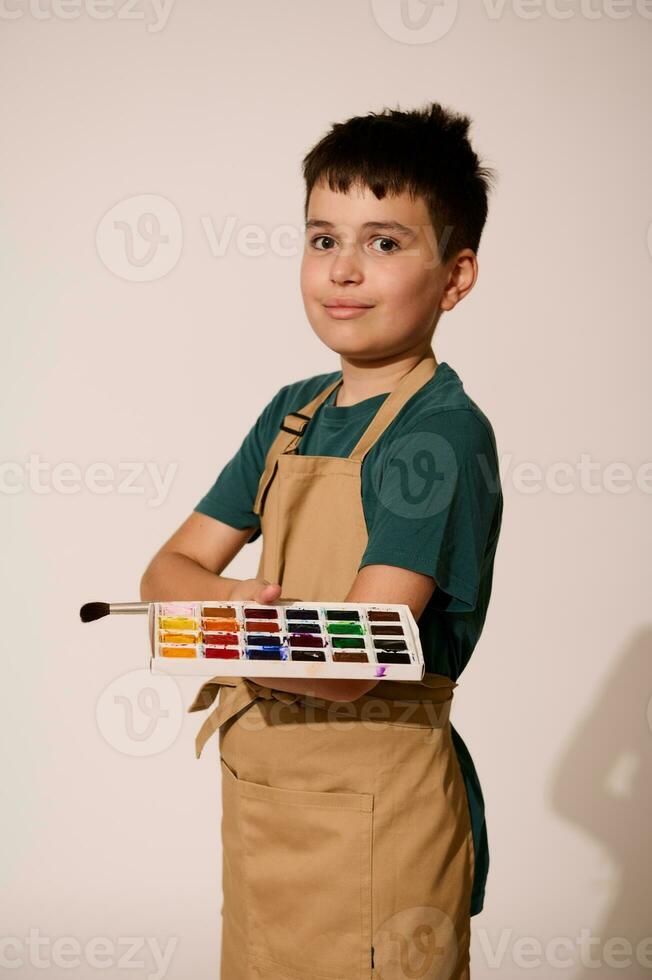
178	623
166	637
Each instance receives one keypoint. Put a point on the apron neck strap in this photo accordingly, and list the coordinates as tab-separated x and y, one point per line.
409	384
294	423
287	439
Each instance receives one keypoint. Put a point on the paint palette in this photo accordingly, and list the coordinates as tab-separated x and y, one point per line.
292	639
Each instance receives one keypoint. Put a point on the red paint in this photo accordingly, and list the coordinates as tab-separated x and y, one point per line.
261	626
221	639
223	653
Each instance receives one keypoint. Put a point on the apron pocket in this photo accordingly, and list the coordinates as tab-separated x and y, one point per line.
307	870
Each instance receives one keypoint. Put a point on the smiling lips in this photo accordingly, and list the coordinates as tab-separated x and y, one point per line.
345	308
348	302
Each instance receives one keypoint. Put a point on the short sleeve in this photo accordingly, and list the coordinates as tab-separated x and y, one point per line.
437	494
233	494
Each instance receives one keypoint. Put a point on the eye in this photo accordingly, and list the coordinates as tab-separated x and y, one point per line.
380	238
384	238
317	238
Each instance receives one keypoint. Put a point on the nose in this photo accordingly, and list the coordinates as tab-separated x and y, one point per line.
346	266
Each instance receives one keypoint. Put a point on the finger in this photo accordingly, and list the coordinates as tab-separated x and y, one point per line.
270	591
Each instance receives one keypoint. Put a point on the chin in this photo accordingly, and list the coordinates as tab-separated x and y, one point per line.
347	339
369	346
360	348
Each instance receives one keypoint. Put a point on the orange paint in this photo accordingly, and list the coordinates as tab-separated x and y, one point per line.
178	651
229	625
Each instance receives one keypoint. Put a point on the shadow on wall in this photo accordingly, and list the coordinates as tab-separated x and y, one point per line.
604	786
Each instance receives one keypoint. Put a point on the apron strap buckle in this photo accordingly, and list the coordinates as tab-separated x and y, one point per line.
290	420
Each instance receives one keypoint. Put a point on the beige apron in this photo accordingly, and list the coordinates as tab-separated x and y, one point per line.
346	833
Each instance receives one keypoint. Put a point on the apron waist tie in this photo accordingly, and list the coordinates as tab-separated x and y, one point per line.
240	693
420	699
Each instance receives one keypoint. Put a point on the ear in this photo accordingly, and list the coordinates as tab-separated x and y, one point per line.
462	278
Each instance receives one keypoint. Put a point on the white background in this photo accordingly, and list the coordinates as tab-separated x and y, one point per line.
168	362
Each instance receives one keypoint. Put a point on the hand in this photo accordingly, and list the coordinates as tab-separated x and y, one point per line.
256	590
335	689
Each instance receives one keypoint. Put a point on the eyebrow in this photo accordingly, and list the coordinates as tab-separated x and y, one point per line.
378	225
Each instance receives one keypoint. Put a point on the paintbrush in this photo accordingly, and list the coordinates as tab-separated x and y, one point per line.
91	611
96	610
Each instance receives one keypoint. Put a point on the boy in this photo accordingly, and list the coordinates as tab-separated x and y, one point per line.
353	831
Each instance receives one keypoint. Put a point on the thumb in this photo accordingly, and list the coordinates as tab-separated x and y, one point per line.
269	591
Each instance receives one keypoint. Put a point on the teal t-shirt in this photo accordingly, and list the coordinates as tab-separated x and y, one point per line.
432	502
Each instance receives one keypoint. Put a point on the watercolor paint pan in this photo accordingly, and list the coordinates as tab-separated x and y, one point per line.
287	639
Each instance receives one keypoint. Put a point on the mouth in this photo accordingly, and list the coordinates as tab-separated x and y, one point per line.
346	308
347	302
346	312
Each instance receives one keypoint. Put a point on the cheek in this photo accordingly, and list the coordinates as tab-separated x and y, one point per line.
309	275
402	288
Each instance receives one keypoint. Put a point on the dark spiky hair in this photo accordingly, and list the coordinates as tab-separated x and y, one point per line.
425	152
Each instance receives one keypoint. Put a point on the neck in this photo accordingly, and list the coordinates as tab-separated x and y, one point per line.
364	379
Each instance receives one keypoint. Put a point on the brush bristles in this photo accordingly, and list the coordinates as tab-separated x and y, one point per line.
94	610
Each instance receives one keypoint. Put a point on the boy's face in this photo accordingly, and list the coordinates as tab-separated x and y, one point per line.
397	273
